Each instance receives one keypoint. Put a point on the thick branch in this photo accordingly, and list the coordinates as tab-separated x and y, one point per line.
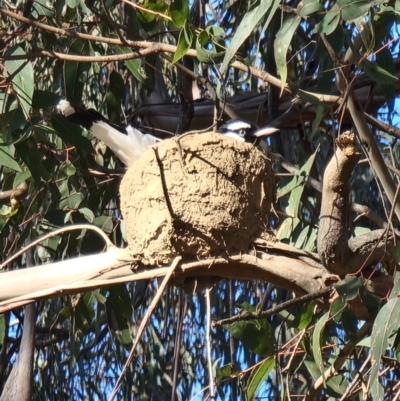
19	383
333	231
112	267
339	254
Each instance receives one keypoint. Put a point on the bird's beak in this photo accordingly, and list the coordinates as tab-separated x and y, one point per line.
267	131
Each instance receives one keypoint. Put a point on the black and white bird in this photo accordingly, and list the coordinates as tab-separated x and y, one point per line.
245	131
129	144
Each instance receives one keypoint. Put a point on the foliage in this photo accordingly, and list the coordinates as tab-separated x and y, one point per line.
104	54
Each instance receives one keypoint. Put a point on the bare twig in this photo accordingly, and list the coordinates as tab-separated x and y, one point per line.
208	343
339	361
58	232
389	129
143	324
257	315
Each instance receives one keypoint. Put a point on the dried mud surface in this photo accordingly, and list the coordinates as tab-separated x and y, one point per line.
199	196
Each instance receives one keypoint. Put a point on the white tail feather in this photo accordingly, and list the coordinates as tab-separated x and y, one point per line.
128	148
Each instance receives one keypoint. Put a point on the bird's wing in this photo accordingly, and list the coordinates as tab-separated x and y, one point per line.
127	143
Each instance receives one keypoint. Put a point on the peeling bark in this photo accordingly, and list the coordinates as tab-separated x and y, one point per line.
339	254
333	231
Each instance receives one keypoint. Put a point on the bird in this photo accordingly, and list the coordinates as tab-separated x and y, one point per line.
245	131
128	143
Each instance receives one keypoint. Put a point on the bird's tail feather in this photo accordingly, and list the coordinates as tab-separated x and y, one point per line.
127	143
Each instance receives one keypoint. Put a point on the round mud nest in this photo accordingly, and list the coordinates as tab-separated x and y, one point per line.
197	196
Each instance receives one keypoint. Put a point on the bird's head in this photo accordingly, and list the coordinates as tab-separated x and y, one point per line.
245	131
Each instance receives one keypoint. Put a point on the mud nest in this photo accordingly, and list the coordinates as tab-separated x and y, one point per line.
200	196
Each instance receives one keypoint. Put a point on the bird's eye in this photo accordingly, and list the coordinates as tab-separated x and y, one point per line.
242	132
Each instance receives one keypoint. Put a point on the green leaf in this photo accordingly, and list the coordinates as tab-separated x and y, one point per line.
87	213
317	342
179	12
114	97
378	74
226	371
67	169
43	7
366	30
255	335
352	9
308	7
148	21
396	253
76	73
287	227
309	97
119	313
300	180
183	44
31	156
350	324
2	328
205	41
396	283
247	25
258	377
282	43
371	300
348	287
304	317
288	184
336	309
22	79
20	177
384	59
386	323
72	3
312	368
105	223
71	200
134	65
336	386
302	237
71	133
7	159
311	244
8	211
320	111
329	22
100	298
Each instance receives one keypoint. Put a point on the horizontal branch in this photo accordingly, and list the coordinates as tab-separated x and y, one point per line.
73	34
114	267
147	48
154	48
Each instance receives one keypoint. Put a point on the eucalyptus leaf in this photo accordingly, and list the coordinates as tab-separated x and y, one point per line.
22	80
352	9
282	43
247	26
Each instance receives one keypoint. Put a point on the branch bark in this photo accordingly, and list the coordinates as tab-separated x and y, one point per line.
112	267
